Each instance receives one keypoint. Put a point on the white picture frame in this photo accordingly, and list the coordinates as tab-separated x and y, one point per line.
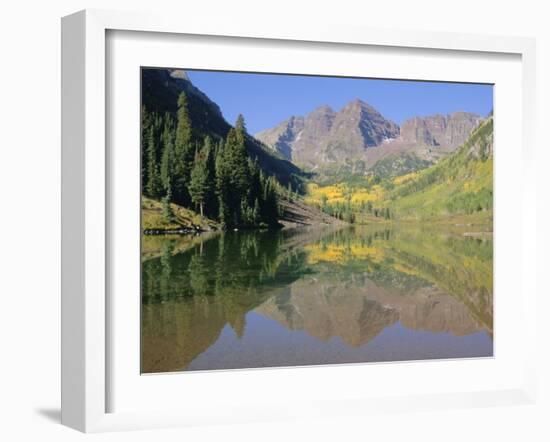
85	200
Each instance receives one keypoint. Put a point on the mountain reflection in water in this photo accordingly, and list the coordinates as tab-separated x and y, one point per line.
303	297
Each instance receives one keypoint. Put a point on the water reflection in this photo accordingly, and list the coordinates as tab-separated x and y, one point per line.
255	299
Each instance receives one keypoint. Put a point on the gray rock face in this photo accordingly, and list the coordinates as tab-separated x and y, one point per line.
360	132
282	137
324	136
361	125
317	126
449	131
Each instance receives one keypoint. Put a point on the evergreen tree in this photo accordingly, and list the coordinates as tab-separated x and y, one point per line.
240	125
256	213
201	182
233	177
222	186
184	150
153	186
167	212
210	201
270	210
255	178
237	159
168	156
145	128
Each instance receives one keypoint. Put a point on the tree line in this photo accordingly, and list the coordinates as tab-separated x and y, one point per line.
215	177
349	212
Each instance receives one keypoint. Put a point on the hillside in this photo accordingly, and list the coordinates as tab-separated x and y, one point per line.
362	167
160	91
184	219
457	190
359	139
461	184
294	213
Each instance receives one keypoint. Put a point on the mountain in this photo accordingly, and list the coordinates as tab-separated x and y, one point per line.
160	90
325	308
448	131
358	137
460	184
324	136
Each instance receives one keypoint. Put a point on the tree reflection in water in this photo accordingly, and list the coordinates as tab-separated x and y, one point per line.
349	284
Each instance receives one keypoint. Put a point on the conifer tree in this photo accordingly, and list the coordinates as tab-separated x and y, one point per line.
271	206
184	151
145	128
240	125
167	211
222	185
168	156
234	176
153	184
201	182
211	200
237	159
256	213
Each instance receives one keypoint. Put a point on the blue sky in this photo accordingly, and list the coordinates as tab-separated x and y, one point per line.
267	99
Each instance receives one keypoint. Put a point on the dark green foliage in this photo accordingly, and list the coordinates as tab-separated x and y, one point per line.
201	185
153	186
342	211
184	150
396	165
246	197
167	211
219	180
168	157
160	94
150	142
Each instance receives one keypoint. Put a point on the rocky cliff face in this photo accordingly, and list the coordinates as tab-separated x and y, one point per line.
324	136
448	131
360	123
359	132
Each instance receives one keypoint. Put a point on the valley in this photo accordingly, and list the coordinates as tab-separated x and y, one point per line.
327	167
337	235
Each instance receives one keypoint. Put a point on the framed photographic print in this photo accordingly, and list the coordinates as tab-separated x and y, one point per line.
252	214
336	237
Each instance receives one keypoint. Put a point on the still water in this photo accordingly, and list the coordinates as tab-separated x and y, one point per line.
314	296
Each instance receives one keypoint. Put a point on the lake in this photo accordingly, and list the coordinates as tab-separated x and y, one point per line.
315	296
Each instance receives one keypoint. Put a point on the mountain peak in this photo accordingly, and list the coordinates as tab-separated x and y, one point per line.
180	74
360	104
322	110
325	136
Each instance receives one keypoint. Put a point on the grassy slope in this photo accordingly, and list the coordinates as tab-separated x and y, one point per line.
151	217
458	187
